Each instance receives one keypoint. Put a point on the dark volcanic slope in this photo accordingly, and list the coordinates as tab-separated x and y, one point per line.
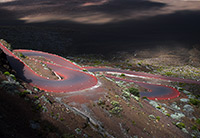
75	26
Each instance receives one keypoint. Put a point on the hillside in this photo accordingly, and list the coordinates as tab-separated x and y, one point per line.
110	109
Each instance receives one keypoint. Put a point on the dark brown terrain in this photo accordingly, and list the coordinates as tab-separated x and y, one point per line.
104	111
155	36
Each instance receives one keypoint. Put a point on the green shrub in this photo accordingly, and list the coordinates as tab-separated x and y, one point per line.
145	98
197	96
52	114
13	76
194	101
159	107
140	104
24	93
129	64
134	91
159	69
116	110
174	123
6	73
101	102
180	125
198	121
36	97
97	62
115	103
122	75
158	118
126	95
168	114
168	73
194	127
182	84
57	115
85	70
181	89
139	63
21	55
39	106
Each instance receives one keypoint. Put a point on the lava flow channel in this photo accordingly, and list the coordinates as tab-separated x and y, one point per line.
74	79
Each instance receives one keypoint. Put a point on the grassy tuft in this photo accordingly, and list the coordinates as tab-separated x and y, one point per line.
158	118
21	55
24	93
180	125
6	73
134	91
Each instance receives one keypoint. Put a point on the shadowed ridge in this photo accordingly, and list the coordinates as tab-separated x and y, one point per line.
15	63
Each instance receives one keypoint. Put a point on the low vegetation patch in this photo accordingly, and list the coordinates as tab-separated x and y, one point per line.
159	107
180	125
9	74
24	93
126	95
133	122
13	76
116	107
168	114
168	73
6	73
101	102
22	55
85	70
36	97
158	118
115	103
194	127
145	98
195	102
38	107
134	91
198	121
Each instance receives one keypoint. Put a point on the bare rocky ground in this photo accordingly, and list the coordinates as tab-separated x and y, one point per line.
108	110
